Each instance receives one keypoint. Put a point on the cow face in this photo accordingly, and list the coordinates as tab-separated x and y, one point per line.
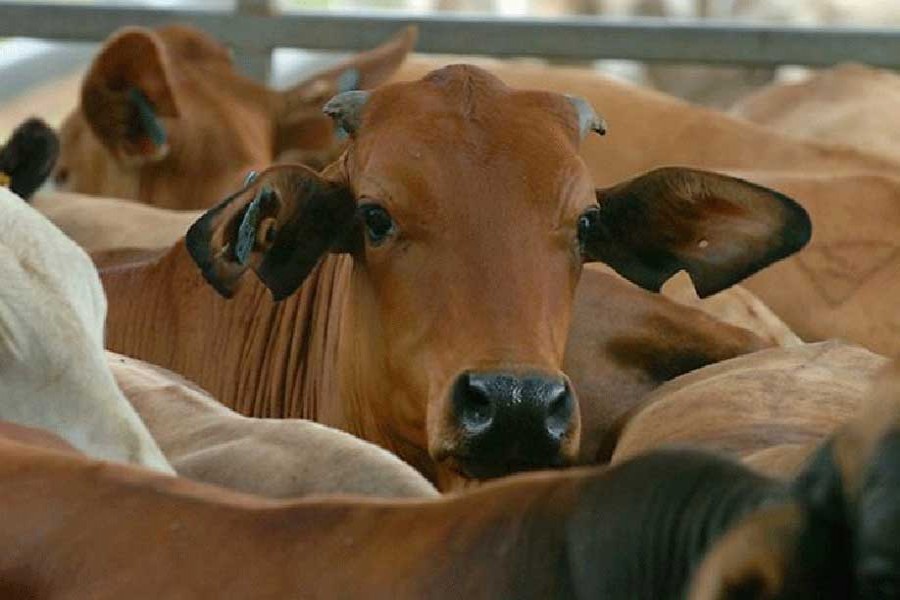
468	215
165	119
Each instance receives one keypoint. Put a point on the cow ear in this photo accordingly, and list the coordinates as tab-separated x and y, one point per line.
127	92
750	562
303	130
719	229
280	224
29	157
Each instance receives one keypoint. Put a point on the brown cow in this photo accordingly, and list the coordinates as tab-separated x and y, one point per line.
850	105
771	408
434	327
33	436
154	108
114	231
844	284
656	130
71	529
836	289
863	459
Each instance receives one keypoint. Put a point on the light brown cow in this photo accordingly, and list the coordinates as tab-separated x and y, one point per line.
771	409
634	531
276	458
99	224
434	327
649	129
161	109
845	284
850	105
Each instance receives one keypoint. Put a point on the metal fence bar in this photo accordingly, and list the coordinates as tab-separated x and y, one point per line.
255	62
583	38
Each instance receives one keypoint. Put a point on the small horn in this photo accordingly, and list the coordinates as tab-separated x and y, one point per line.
588	119
345	109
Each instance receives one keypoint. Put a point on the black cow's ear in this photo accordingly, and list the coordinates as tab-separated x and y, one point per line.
719	229
280	224
29	157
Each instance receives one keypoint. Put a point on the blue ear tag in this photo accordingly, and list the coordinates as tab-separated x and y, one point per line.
246	237
250	178
348	81
149	121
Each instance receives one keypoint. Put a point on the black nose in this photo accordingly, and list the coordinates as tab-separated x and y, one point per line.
510	422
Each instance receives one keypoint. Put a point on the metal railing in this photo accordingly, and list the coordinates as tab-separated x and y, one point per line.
254	30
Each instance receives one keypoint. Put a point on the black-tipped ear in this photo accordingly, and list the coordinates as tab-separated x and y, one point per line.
29	156
280	225
719	229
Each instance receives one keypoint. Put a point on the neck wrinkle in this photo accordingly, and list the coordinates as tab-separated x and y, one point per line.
288	357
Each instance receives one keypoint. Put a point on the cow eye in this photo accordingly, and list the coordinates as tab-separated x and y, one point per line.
587	223
378	222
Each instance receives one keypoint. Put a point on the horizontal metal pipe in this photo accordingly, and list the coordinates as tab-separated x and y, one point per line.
582	38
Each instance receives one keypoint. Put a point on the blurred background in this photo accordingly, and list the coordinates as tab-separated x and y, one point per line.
42	76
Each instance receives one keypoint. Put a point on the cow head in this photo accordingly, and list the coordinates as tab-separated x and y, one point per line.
468	214
162	110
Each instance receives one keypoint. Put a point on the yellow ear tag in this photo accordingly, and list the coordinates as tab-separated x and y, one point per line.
5	180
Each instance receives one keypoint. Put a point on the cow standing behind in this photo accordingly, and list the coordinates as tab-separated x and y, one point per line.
163	109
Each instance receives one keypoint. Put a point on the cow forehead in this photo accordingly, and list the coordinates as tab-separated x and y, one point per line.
462	130
466	104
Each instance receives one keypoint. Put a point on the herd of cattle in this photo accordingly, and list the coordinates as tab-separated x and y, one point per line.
303	343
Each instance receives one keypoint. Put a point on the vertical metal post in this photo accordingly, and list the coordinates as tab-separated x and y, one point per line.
255	62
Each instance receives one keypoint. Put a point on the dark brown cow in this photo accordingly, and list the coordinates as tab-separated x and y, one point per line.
436	263
163	109
75	528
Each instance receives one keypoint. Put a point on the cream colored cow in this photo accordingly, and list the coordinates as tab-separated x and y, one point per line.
276	458
53	372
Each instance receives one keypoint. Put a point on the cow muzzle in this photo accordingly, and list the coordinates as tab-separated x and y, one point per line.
505	422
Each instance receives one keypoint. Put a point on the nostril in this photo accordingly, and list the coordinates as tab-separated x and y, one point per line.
559	410
473	404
